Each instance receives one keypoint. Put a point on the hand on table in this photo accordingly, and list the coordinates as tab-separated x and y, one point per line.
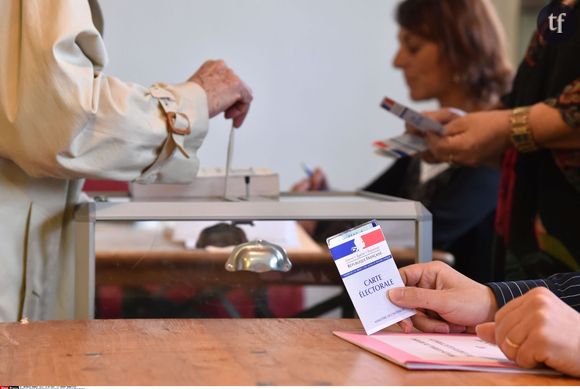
537	328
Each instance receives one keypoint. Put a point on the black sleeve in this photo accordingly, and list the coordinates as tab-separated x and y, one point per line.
564	285
459	198
461	203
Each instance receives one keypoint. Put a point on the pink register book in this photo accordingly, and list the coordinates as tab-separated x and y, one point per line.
421	351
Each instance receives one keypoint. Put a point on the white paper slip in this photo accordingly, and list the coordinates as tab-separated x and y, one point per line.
414	118
405	145
367	268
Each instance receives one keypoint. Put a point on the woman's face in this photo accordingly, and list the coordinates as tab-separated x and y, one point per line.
426	74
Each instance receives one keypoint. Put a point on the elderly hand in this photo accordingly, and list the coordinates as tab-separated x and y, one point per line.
475	139
447	301
225	91
537	328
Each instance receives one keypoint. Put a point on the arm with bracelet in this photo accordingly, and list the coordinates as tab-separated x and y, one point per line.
481	138
554	124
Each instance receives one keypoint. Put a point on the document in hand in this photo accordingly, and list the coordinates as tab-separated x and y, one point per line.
420	351
406	144
368	270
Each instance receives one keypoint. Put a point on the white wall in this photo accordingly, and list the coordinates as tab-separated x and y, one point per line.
509	13
318	68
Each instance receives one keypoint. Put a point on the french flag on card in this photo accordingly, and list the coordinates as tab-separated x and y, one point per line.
366	266
358	243
372	238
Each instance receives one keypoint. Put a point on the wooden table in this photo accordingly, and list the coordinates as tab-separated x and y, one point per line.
211	352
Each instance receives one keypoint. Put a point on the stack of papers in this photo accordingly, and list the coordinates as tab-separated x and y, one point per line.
407	145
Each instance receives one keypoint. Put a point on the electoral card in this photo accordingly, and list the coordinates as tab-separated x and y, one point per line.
367	268
418	121
407	144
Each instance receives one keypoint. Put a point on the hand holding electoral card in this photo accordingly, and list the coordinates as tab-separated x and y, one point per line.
447	300
417	125
368	270
413	118
533	329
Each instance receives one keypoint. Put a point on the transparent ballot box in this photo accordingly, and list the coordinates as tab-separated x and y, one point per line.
196	245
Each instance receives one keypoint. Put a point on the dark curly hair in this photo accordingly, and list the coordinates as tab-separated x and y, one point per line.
470	37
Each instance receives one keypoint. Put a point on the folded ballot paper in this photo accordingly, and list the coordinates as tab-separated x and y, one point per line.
421	351
368	271
407	144
210	183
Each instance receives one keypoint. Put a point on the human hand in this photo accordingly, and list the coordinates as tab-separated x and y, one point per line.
446	300
315	182
442	116
225	91
537	328
475	139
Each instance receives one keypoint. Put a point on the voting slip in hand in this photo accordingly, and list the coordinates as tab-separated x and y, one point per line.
406	145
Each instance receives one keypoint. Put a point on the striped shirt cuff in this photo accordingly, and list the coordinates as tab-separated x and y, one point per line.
565	285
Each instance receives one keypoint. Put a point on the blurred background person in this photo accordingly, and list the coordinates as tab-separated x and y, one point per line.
452	51
537	141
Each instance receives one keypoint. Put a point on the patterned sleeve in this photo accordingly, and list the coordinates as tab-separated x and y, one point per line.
564	285
568	103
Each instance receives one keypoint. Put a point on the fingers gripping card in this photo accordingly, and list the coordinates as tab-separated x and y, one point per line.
367	268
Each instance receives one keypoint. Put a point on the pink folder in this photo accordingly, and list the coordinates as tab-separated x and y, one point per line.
421	351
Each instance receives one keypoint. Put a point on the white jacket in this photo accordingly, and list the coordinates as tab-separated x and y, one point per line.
63	119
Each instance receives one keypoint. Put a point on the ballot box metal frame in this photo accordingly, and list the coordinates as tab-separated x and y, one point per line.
359	205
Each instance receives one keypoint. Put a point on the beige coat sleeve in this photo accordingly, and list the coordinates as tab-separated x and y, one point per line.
61	116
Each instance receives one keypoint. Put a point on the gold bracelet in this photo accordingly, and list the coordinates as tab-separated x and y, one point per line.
521	134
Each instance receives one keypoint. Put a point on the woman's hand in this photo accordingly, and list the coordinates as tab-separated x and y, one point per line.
442	116
315	182
475	139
